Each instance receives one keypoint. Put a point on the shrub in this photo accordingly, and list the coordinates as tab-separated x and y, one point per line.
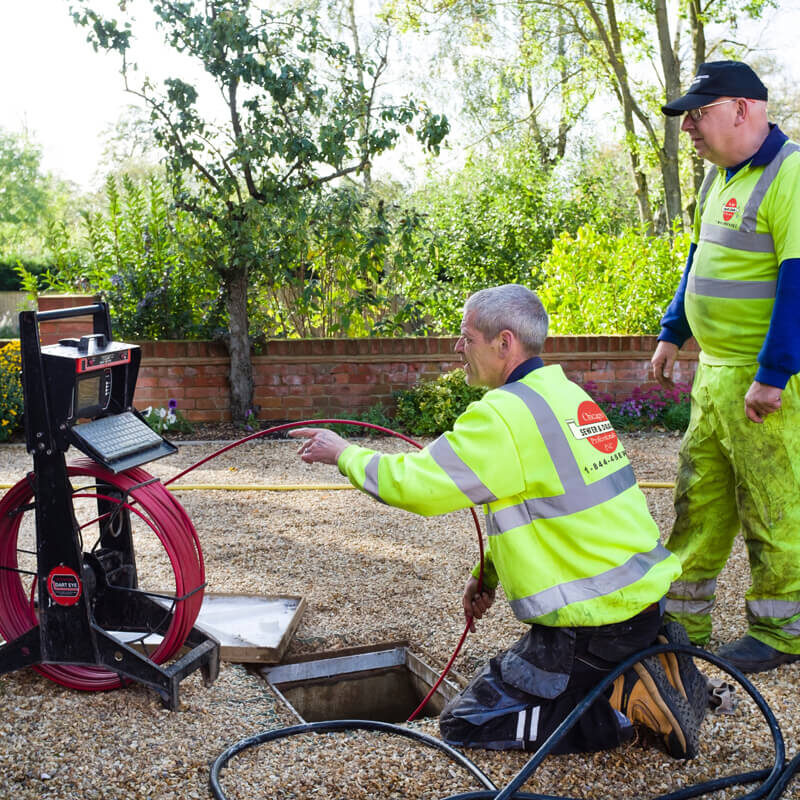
11	402
375	415
610	284
644	408
431	407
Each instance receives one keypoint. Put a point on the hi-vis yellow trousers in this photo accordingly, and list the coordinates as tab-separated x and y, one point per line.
734	475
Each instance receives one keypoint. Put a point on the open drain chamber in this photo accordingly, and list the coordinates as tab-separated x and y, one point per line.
384	682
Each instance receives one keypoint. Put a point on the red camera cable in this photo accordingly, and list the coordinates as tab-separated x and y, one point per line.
168	520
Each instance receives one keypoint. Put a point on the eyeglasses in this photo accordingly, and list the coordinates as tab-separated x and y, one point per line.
696	114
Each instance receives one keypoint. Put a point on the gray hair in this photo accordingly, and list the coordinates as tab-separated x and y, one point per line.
510	307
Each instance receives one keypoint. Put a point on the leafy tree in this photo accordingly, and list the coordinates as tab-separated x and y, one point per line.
30	199
24	190
293	106
346	277
517	67
556	55
129	147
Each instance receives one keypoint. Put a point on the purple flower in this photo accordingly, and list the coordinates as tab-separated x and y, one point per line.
172	404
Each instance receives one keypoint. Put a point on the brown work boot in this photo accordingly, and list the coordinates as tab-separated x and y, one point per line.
646	697
681	670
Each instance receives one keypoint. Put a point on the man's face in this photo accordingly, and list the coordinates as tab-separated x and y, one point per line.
483	365
714	135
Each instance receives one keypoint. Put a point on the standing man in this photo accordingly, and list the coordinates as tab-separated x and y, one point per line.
739	461
570	540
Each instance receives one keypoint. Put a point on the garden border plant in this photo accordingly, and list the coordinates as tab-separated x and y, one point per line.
646	407
11	398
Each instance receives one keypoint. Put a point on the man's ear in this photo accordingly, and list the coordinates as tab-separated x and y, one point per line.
506	342
742	111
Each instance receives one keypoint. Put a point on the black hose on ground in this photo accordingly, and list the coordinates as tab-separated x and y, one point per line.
344	725
773	780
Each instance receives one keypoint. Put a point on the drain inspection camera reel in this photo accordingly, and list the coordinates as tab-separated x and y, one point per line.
74	604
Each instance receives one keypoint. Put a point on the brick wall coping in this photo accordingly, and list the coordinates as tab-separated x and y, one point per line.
382	351
374	350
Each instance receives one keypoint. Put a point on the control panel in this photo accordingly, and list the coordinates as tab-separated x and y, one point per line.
90	382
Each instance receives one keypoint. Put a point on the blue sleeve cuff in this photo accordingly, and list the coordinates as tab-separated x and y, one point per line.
672	337
772	377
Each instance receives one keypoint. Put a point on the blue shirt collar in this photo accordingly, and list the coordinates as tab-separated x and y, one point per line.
768	150
521	370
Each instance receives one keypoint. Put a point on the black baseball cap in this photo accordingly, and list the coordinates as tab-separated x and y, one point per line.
718	79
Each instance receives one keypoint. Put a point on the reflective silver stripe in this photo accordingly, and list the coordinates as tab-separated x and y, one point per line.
750	212
533	725
557	597
719	287
737	239
793	628
521	725
775	609
697	608
707	181
463	476
577	495
555	439
579	499
371	477
695	590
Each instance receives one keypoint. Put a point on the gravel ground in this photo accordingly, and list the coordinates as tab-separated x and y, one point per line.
370	574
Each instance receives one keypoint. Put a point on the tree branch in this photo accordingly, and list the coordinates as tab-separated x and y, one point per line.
237	130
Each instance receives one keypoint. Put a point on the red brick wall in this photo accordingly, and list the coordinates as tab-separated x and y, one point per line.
307	378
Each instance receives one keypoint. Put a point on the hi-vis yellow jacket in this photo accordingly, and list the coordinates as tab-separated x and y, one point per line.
744	228
570	536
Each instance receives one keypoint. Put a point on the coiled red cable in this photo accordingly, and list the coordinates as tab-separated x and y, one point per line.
160	511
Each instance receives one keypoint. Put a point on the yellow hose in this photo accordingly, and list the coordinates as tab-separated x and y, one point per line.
309	487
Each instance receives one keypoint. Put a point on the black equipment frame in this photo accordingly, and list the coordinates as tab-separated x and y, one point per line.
74	634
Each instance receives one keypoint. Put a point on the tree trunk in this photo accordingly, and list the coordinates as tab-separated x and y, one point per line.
612	42
238	341
363	123
642	192
668	157
698	30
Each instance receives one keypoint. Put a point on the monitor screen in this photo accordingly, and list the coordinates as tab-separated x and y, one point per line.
88	394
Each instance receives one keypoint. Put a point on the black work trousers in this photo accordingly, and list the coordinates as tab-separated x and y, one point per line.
521	696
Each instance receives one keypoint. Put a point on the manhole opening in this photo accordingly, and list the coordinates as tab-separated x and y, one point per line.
384	685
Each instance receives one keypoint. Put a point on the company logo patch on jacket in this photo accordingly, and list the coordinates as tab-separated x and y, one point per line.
729	210
592	424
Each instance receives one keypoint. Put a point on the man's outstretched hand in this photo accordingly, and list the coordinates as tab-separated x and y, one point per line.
320	446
